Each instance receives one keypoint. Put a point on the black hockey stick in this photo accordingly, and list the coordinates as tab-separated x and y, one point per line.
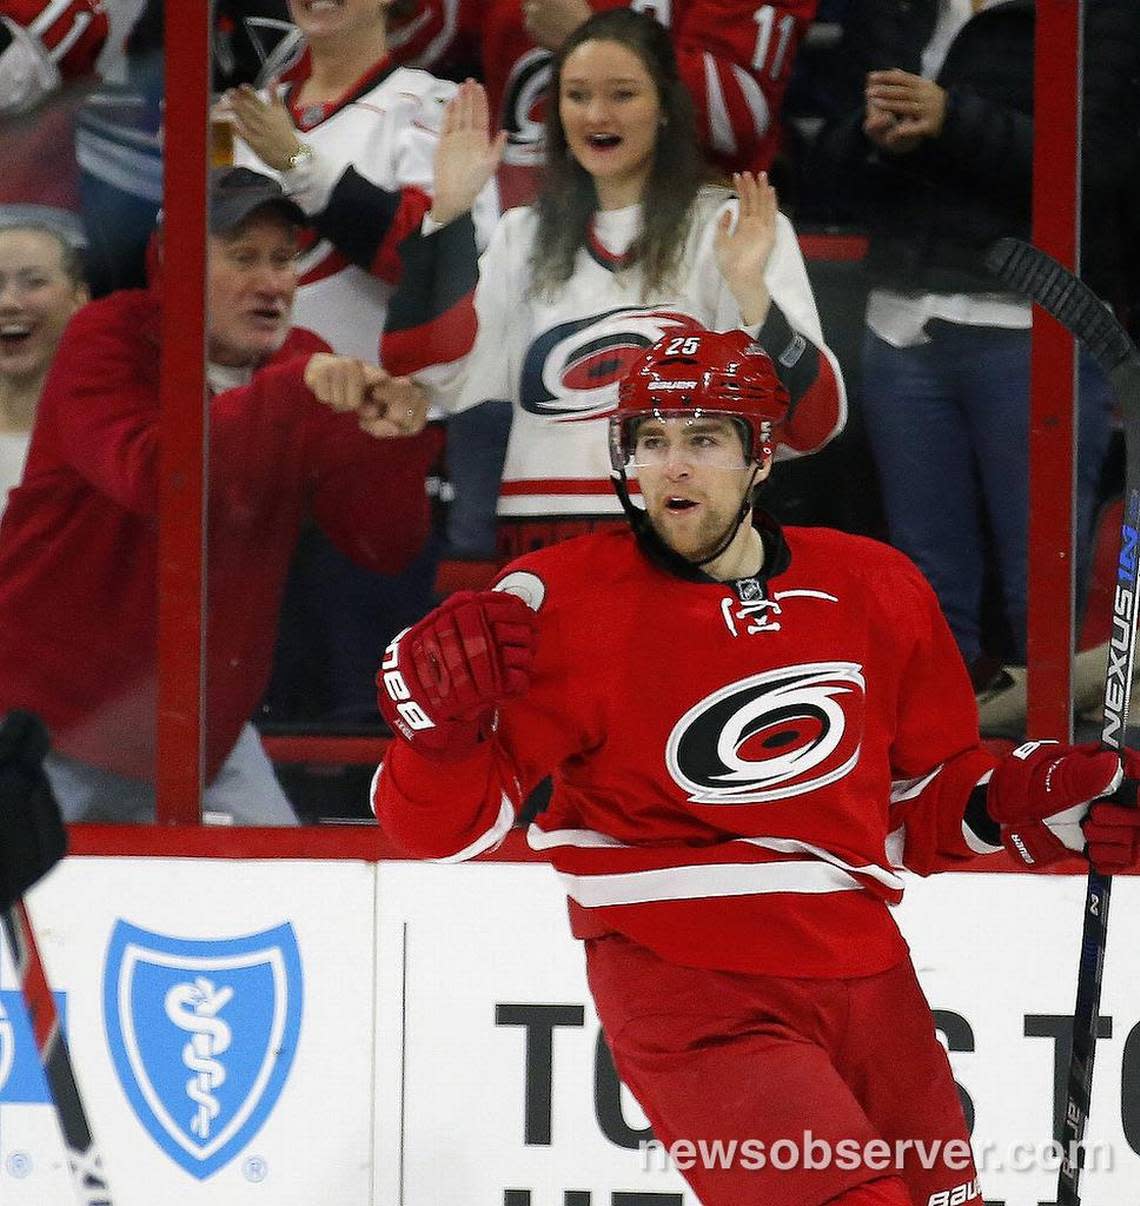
1040	278
83	1157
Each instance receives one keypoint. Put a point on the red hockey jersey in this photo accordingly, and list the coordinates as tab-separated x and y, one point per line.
739	768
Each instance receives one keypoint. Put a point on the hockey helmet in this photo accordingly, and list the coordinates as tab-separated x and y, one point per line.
723	373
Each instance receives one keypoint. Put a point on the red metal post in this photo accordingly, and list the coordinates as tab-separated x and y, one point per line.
1056	227
182	466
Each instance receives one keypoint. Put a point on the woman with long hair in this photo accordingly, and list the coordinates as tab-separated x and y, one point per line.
624	245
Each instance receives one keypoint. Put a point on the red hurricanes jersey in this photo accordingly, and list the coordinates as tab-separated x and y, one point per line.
739	768
736	59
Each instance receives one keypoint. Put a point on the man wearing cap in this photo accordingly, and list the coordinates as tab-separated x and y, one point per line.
78	543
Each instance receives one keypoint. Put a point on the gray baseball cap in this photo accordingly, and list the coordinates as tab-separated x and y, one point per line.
236	192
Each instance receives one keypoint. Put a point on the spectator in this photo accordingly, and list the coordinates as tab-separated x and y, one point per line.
41	287
734	59
78	544
939	150
349	118
623	246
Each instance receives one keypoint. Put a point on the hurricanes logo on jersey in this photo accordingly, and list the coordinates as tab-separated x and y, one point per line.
571	372
771	736
524	102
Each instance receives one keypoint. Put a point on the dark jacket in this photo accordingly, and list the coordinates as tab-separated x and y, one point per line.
933	212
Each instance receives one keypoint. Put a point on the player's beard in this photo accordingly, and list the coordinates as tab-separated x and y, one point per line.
703	540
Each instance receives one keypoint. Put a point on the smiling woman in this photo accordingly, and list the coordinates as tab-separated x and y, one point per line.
41	287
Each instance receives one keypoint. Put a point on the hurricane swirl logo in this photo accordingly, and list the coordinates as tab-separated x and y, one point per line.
524	104
771	736
571	372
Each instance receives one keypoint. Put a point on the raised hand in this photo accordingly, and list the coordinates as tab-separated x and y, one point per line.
467	155
264	125
743	250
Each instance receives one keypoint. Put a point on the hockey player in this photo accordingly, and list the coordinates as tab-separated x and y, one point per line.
623	246
750	731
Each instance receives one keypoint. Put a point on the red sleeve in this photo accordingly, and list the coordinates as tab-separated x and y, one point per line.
937	757
370	495
736	60
101	401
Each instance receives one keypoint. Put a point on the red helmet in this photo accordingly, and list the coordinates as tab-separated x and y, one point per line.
703	372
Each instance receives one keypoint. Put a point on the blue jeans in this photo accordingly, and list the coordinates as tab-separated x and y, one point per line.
948	423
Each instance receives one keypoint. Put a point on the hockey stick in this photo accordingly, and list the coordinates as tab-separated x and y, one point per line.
1039	277
83	1157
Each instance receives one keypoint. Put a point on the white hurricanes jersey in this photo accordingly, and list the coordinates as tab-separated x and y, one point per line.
560	358
385	130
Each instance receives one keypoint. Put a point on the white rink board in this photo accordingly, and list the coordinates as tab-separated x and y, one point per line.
459	943
417	1024
305	1139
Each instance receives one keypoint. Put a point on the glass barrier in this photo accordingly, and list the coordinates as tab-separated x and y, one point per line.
342	505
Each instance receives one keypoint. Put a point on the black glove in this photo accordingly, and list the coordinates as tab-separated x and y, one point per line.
32	836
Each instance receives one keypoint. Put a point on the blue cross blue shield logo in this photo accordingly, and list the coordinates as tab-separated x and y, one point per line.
202	1034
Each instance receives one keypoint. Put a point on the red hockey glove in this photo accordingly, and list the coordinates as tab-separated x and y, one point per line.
1112	831
442	680
1040	793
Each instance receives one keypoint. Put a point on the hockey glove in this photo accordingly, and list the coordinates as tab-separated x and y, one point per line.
1040	793
442	680
32	836
1112	831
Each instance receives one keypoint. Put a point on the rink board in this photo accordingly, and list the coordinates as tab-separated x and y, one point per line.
284	1032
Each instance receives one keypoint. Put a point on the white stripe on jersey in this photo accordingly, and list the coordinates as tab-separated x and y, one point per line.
722	139
755	99
541	839
488	840
716	879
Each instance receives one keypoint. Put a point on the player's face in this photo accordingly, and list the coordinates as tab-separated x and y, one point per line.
611	112
37	297
322	17
252	279
693	476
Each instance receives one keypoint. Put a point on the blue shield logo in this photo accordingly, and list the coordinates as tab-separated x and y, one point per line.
202	1034
21	1074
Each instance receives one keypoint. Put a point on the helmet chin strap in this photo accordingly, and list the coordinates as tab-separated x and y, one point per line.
664	555
741	515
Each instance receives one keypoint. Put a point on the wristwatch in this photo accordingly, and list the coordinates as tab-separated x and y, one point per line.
300	158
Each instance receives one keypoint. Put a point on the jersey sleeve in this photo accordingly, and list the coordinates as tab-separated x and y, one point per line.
792	335
449	323
937	759
736	60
